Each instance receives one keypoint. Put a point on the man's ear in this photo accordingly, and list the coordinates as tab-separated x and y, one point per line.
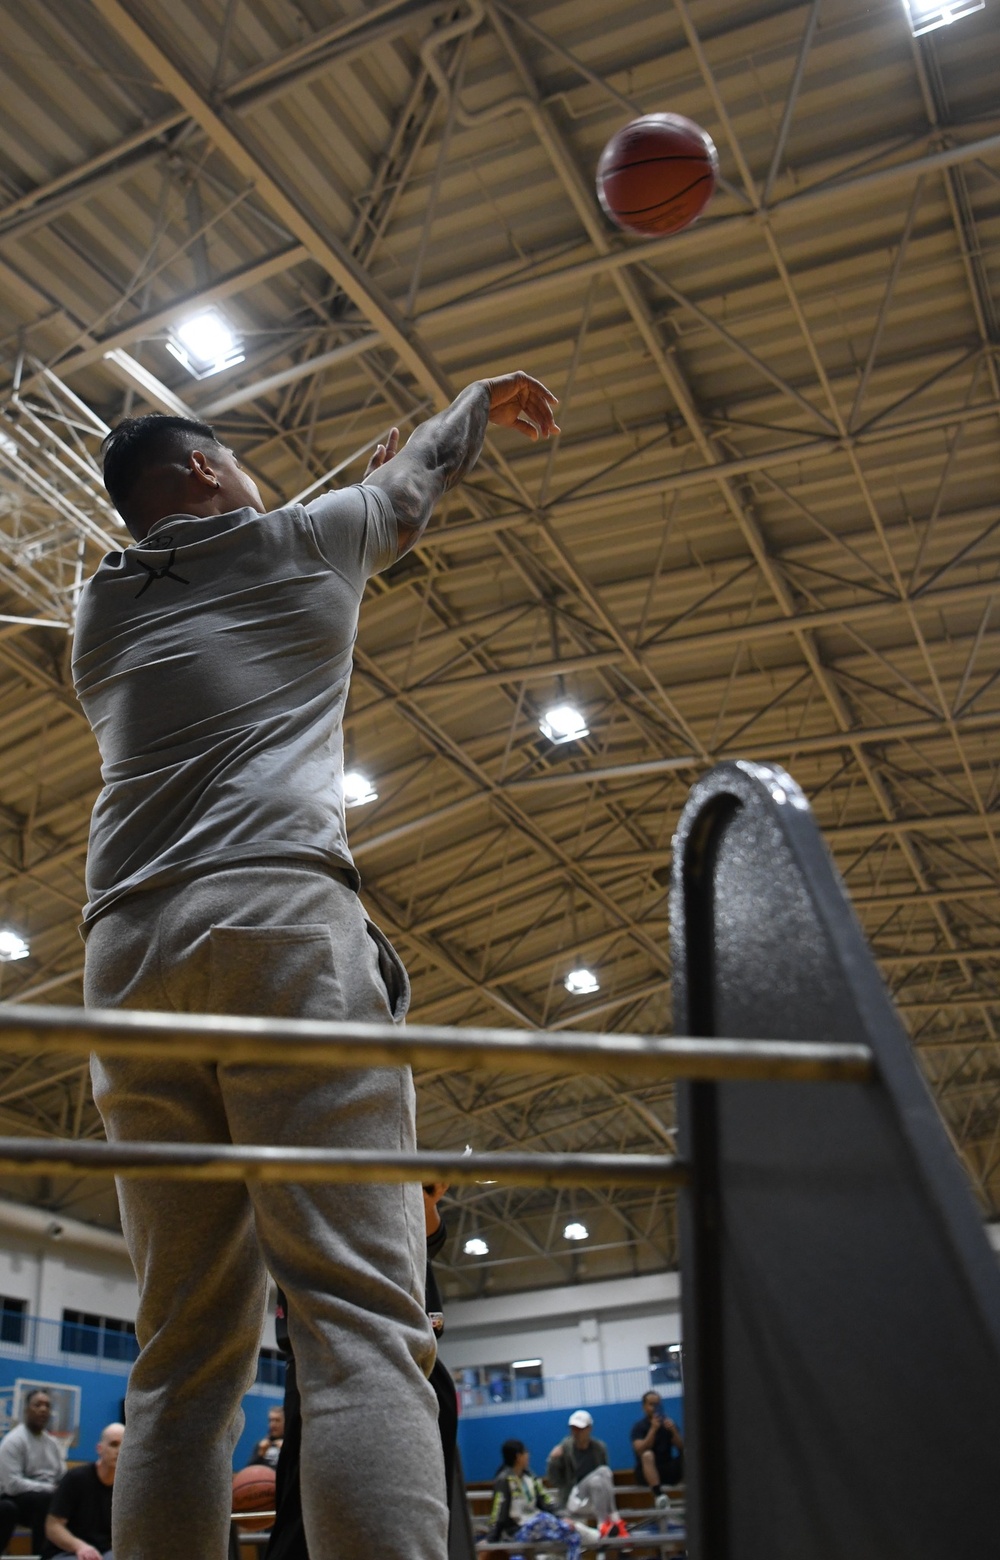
201	470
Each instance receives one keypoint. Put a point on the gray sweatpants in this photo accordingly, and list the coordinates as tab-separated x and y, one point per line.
284	941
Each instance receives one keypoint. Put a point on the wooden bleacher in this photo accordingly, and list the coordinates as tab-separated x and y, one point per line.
635	1505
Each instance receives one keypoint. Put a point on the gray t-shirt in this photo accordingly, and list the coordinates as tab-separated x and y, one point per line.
212	661
30	1461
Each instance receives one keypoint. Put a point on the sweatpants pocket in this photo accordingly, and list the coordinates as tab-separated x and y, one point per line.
393	972
281	971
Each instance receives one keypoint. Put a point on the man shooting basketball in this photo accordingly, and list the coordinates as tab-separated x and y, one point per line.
212	659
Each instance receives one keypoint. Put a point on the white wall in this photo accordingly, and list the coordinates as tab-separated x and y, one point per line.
55	1263
573	1330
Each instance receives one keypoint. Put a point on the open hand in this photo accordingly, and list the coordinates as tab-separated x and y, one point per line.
88	1552
518	401
383	452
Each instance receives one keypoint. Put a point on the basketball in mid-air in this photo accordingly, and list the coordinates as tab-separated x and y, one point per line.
253	1490
657	174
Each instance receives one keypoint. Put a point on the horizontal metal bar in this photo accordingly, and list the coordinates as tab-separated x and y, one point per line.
251	1162
311	1043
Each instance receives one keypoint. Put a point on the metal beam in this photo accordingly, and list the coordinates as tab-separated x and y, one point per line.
289	376
806	452
230	137
227	1162
253	274
709	234
308	1042
649	768
696	645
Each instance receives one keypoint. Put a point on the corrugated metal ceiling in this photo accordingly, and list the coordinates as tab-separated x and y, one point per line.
770	526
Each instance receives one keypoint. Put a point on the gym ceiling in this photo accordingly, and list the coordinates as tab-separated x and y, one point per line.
770	529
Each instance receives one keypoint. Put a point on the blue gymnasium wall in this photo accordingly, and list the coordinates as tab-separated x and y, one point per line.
481	1437
101	1394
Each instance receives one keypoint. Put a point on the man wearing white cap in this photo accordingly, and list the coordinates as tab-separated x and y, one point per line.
578	1471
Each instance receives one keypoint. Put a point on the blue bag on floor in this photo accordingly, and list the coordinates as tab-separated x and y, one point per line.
547	1526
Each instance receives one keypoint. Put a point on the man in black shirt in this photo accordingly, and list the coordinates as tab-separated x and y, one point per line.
79	1519
658	1447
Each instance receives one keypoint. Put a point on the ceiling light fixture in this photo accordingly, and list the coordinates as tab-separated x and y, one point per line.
205	344
581	983
475	1246
358	789
12	946
575	1231
925	15
563	723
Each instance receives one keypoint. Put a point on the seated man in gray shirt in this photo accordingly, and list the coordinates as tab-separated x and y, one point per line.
213	659
31	1465
578	1469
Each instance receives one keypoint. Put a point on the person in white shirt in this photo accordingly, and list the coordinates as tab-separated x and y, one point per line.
31	1465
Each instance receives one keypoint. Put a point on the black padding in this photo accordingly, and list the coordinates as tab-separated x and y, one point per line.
841	1300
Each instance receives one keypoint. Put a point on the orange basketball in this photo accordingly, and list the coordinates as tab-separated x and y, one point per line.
658	174
253	1490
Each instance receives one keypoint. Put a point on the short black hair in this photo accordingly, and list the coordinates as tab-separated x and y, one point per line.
140	442
37	1392
510	1451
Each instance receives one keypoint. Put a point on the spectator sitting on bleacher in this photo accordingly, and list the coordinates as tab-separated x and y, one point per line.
517	1494
659	1449
79	1519
578	1470
268	1450
31	1465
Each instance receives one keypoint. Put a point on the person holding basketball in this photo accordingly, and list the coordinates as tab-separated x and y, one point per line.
212	659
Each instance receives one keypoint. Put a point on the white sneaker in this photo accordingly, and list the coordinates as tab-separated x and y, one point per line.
662	1502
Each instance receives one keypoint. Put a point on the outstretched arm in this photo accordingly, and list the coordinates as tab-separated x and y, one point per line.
443	450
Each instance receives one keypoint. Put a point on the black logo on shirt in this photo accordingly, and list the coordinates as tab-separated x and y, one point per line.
159	572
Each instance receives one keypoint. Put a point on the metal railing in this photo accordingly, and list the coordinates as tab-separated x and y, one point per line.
41	1340
312	1043
535	1394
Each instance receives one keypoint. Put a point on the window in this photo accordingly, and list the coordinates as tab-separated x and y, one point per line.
507	1383
271	1368
665	1363
13	1314
100	1337
119	1340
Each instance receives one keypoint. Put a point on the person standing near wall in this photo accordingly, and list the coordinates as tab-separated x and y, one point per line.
31	1465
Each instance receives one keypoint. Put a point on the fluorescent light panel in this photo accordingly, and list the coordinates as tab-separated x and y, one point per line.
358	789
563	723
205	344
581	983
925	15
12	946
